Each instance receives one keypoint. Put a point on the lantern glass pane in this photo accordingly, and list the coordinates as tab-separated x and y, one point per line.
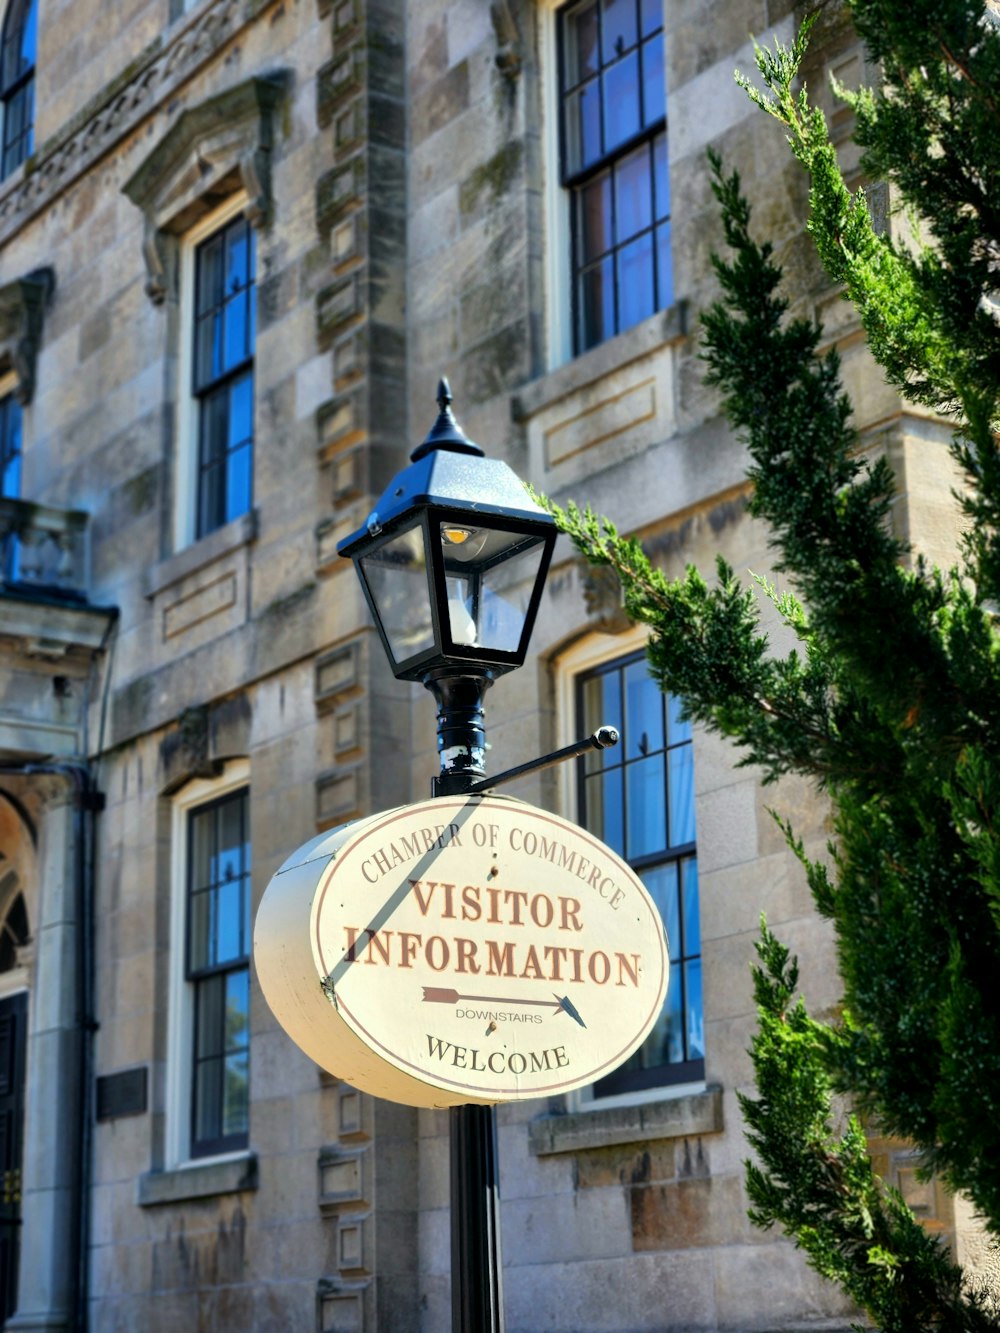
396	575
489	576
506	596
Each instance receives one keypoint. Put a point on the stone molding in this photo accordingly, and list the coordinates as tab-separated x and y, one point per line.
117	111
208	1180
212	150
22	310
670	1118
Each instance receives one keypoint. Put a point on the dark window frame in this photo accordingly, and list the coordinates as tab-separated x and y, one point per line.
200	978
689	1070
17	86
213	388
576	179
11	454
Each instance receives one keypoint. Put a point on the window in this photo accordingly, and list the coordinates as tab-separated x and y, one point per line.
613	128
10	476
218	970
18	45
10	446
208	1078
639	798
223	373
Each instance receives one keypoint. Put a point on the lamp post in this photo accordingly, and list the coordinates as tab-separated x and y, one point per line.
452	561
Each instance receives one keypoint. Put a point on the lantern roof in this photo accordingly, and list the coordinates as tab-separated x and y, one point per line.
449	471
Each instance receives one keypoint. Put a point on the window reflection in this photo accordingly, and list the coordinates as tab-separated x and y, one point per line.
639	798
225	295
615	163
218	968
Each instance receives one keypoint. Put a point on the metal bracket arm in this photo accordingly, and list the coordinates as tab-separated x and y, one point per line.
602	739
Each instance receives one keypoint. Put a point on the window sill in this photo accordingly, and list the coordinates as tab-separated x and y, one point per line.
205	1181
669	1118
666	326
240	532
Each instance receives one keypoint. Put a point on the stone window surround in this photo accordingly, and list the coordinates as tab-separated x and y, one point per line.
600	646
214	546
202	1180
212	151
558	278
179	992
661	329
685	1116
187	420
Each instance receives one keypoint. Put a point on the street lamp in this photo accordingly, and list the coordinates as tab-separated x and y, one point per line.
452	561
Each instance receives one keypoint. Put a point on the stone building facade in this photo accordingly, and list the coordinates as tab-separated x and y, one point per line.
240	240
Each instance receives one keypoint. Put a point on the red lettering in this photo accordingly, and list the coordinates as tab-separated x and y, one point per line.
592	967
472	909
542	911
466	961
516	901
532	962
632	968
437	944
352	938
408	946
423	902
555	958
381	939
569	914
500	961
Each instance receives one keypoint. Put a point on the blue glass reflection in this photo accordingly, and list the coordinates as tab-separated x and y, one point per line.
618	28
643	712
681	793
636	291
652	16
695	1010
692	910
633	194
654	91
621	101
646	831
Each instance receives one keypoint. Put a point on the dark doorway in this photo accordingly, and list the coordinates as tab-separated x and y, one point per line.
13	1032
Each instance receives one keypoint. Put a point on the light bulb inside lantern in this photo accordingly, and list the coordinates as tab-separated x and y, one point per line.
462	543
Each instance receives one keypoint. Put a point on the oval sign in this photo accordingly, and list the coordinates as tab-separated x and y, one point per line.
464	949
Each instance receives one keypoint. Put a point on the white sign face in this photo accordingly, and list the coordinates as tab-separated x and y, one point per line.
465	949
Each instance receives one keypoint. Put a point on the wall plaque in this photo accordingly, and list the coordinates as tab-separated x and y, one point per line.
464	949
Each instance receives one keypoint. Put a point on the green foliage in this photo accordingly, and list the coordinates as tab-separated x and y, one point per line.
818	1184
890	700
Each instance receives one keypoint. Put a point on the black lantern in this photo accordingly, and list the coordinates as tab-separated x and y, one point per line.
453	559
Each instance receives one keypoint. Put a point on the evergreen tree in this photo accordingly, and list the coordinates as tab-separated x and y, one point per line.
892	700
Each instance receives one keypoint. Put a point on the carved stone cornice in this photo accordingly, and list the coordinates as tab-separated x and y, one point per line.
22	310
148	83
212	149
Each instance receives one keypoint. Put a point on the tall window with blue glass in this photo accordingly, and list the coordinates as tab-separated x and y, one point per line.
18	47
639	799
614	163
224	335
10	478
218	969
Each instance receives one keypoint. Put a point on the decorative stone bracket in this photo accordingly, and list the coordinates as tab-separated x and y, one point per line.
214	149
22	309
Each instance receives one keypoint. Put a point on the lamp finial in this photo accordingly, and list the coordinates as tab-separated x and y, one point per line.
446	433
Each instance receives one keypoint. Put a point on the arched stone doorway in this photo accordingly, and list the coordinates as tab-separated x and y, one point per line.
17	890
